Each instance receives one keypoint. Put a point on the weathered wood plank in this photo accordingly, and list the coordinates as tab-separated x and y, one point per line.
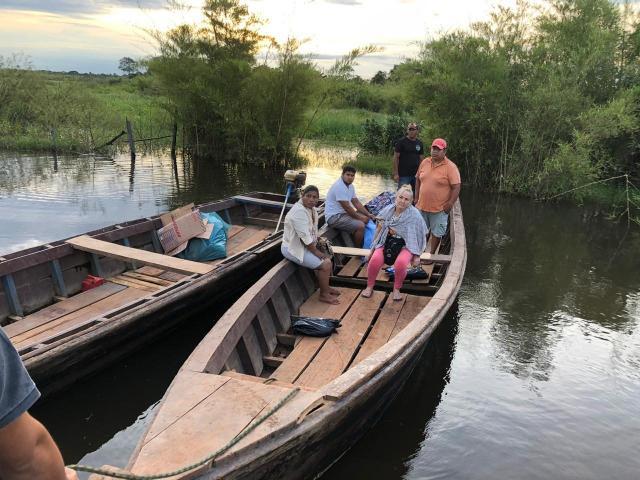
148	278
234	363
130	283
263	222
260	201
295	291
96	309
266	381
413	305
337	352
210	422
381	331
187	391
307	347
307	277
60	309
268	329
253	349
120	252
358	252
234	230
281	309
350	268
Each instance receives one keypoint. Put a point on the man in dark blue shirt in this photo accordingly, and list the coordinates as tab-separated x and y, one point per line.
407	156
27	451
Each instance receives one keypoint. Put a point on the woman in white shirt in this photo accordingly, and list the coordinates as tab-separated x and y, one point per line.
300	238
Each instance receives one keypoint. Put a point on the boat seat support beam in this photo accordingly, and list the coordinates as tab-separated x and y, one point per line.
132	264
58	279
96	268
12	295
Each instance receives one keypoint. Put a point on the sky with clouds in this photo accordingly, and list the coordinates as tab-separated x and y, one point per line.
91	35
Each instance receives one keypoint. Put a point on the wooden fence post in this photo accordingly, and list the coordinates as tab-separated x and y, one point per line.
132	144
173	140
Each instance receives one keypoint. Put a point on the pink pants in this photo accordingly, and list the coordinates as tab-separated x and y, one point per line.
377	260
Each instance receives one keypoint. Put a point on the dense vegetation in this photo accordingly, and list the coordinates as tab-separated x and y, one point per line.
532	101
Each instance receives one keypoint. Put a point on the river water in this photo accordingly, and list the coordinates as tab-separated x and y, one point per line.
535	373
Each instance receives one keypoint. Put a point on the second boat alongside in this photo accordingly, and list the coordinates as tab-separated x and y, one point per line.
63	333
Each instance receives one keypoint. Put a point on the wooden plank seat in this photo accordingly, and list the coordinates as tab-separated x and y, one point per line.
108	249
260	201
353	252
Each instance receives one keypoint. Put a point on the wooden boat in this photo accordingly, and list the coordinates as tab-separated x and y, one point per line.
250	362
62	333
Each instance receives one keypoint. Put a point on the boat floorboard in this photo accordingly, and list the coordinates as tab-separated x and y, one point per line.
306	348
367	324
194	418
96	309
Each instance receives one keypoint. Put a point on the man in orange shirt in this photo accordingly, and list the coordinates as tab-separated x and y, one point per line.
437	189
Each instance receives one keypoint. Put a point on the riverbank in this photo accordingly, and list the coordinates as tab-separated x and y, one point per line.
87	110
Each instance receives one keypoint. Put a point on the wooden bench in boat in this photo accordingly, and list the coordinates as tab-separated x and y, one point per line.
355	252
260	201
108	249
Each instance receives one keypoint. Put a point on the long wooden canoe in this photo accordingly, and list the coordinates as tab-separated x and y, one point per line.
63	333
249	362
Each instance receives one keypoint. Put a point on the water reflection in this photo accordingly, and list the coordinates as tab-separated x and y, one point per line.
42	202
386	451
532	261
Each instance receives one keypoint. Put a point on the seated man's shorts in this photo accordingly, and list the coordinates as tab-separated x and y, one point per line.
343	221
436	222
309	260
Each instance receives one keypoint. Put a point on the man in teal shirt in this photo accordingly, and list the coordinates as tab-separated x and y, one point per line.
27	451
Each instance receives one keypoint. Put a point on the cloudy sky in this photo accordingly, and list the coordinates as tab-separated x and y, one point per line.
91	35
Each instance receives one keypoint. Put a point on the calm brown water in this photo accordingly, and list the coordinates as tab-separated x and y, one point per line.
534	375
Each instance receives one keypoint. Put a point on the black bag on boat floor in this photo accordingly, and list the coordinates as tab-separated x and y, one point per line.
314	326
413	273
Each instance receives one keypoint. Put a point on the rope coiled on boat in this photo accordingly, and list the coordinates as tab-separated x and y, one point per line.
209	458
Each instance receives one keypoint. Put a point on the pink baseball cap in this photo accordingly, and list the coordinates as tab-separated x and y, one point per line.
441	143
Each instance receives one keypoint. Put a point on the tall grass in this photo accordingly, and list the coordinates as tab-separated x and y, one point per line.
95	112
368	163
340	124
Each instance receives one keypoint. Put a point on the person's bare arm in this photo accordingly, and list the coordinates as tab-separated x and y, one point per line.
416	194
396	161
352	211
28	452
453	196
360	208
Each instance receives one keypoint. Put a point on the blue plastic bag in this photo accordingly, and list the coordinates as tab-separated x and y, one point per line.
369	232
202	250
